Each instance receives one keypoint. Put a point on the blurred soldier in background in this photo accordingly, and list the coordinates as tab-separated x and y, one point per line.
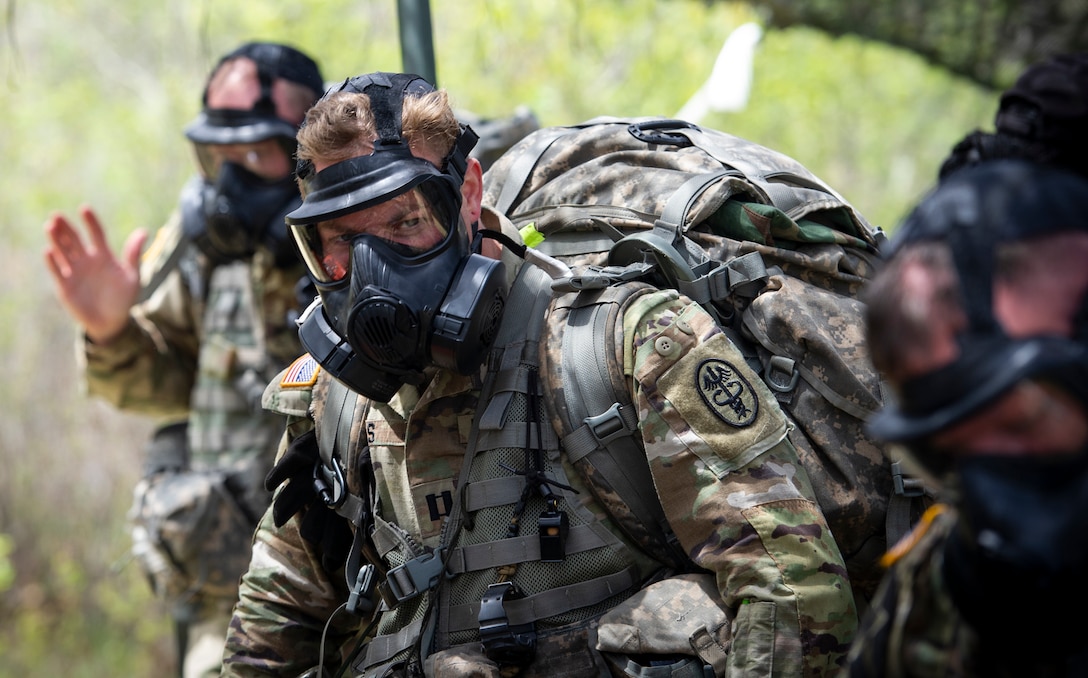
194	333
980	322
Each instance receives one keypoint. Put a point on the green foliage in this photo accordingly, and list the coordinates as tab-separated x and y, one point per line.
93	100
870	120
987	41
7	572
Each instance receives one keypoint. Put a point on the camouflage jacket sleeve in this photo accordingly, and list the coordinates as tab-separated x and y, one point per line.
735	493
150	368
284	602
287	597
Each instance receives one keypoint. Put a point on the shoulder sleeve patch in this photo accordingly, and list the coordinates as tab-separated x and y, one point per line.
301	374
291	392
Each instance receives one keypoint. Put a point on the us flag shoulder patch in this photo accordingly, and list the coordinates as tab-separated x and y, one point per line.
302	373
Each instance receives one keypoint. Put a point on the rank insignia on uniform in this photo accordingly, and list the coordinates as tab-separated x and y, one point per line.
728	394
302	373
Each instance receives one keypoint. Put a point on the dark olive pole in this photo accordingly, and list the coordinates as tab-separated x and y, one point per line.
416	40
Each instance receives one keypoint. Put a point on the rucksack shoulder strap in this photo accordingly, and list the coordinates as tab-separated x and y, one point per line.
334	406
512	355
520	171
588	395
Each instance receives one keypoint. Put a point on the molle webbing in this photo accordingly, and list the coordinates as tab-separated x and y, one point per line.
597	569
394	641
227	422
551	603
507	420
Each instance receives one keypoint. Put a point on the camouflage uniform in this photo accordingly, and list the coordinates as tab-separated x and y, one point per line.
913	628
201	348
735	495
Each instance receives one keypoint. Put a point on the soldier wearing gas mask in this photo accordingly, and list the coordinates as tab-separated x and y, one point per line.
428	520
980	321
192	333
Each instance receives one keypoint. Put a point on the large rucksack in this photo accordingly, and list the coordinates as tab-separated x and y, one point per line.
774	253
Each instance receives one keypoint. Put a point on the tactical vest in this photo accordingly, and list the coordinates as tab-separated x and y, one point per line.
528	558
246	341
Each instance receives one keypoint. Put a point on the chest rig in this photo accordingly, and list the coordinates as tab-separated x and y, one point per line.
227	423
526	553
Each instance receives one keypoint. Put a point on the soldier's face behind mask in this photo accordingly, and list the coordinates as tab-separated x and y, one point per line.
1018	472
408	223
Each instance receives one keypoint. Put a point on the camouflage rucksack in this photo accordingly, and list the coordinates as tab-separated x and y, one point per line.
768	248
190	528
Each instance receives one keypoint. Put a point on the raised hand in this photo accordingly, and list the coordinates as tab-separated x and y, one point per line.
96	287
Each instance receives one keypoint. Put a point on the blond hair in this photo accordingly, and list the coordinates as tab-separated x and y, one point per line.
341	126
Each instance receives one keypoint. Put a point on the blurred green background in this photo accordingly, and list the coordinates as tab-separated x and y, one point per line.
93	100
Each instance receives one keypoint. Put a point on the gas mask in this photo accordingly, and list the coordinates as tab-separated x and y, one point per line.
399	306
978	212
238	211
238	206
1018	552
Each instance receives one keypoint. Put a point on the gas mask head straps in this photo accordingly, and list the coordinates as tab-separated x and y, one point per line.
236	209
260	122
390	169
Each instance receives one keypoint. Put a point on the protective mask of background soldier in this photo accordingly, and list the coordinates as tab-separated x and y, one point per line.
389	309
1019	552
246	185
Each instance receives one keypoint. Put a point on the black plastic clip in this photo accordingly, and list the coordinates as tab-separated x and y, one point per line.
407	581
904	484
361	600
505	643
329	484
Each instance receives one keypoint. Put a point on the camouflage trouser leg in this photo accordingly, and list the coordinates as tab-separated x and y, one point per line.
204	652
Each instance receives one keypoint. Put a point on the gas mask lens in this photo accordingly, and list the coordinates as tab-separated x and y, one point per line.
413	226
267	159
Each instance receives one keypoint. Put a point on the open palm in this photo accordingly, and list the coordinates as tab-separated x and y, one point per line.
96	287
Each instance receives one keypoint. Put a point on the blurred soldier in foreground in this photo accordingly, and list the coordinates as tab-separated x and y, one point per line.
428	520
198	344
980	321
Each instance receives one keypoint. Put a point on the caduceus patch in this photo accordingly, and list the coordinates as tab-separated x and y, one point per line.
726	392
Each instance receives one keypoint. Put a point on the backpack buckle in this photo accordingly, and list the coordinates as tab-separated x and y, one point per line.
905	485
608	425
407	581
599	277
